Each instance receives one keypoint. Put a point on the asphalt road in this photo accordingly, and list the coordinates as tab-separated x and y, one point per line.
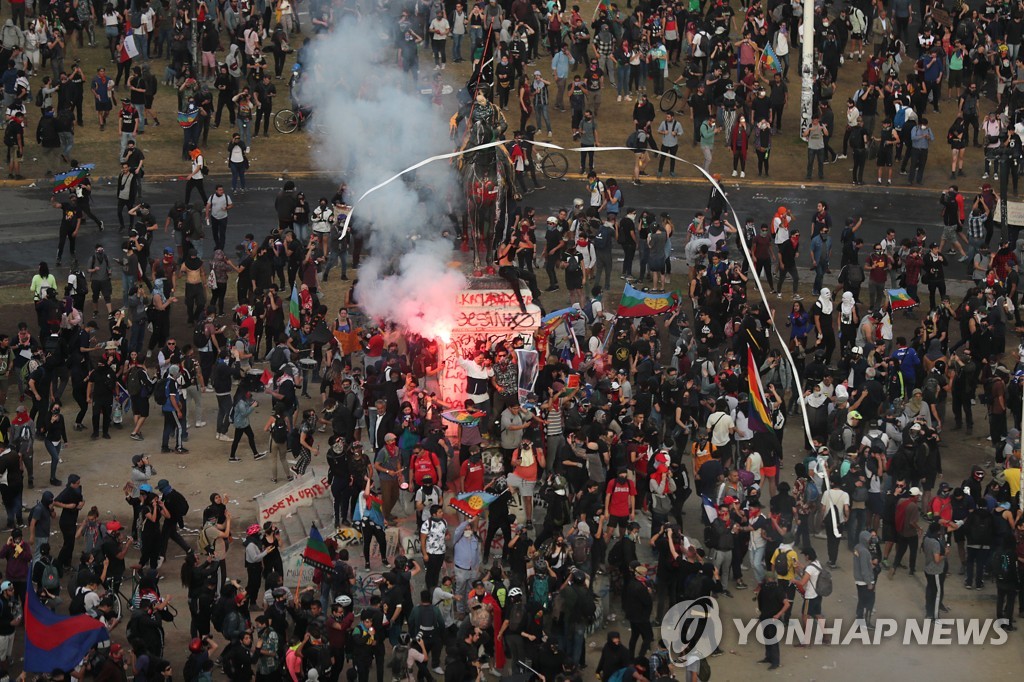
29	223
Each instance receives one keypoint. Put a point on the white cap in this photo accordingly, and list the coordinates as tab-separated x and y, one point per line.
552	220
915	492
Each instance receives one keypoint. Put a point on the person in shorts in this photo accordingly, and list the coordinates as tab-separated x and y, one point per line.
886	151
526	465
620	502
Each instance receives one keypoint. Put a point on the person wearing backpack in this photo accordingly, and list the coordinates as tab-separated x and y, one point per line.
277	427
835	503
426	623
979	530
807	584
173	408
45	575
907	518
1006	569
39	522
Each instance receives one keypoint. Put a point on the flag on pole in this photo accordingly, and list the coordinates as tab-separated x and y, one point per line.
316	554
71	179
550	322
471	504
57	642
128	48
710	508
771	60
899	299
294	311
636	303
758	418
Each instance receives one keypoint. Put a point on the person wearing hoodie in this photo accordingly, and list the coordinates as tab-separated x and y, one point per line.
614	656
1006	571
773	605
48	138
935	563
864	577
637	604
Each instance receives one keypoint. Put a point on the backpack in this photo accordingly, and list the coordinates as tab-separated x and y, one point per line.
781	563
580	550
400	662
203	542
11	134
811	491
1007	569
541	589
823	585
160	392
704	672
294	442
232	625
423	465
199	338
930	389
984	530
616	555
277	359
572	265
50	580
837	441
876	444
77	605
279	430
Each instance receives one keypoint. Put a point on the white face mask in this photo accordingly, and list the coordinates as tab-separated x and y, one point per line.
467	533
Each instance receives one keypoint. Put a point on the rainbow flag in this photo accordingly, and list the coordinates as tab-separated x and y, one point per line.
899	299
187	119
471	504
636	303
771	60
73	178
316	554
294	310
757	416
57	642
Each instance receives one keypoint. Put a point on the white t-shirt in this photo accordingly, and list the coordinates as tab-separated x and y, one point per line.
811	586
719	424
754	463
835	498
439	29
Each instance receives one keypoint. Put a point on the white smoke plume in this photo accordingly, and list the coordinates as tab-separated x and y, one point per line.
376	124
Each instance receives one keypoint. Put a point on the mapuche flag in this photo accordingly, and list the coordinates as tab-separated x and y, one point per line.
636	303
316	554
57	642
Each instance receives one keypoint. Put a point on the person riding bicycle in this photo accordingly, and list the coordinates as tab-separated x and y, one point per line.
295	84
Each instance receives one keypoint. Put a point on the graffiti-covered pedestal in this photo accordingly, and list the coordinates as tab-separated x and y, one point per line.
488	313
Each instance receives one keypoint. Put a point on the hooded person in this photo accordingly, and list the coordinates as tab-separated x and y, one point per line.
821	312
864	576
847	320
614	656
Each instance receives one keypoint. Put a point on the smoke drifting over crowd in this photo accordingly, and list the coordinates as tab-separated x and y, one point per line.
376	125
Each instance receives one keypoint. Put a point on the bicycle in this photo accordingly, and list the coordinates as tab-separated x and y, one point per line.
287	121
669	98
553	164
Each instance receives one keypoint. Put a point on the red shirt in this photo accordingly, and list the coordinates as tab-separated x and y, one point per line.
472	474
248	325
621	493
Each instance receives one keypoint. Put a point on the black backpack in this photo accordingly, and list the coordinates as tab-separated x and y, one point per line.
160	391
279	430
199	337
77	605
294	442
